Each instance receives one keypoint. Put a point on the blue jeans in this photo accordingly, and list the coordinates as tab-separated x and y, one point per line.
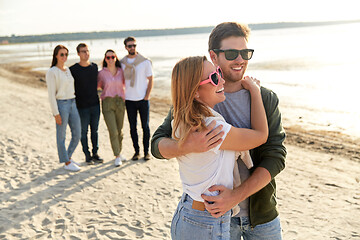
69	115
132	107
189	223
89	117
240	227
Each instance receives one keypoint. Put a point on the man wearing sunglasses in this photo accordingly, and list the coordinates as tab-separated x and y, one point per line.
138	84
87	100
256	196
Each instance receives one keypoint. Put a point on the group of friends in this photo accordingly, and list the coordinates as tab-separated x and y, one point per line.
223	128
74	99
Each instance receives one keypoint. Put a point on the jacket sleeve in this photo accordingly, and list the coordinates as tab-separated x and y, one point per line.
272	154
163	131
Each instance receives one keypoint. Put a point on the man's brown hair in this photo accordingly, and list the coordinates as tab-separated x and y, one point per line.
129	39
81	45
225	30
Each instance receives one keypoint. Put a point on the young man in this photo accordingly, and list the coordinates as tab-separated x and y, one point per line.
256	196
87	101
138	84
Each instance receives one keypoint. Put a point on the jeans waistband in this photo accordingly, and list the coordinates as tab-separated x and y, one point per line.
194	204
65	100
190	204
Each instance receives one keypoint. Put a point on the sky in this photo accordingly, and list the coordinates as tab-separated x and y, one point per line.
33	17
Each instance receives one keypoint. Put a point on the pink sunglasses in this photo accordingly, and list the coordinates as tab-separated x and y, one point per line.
214	77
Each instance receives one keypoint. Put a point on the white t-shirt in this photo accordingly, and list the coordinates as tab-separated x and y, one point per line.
200	171
143	71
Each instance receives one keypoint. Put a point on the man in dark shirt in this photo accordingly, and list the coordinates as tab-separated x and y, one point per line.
87	101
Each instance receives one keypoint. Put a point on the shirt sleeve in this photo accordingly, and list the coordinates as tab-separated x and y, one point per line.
51	86
72	70
149	71
122	77
226	129
100	80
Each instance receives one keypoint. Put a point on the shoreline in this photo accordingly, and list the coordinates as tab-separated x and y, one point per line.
333	142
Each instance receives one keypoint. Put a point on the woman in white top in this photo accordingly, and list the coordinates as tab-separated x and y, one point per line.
60	84
197	86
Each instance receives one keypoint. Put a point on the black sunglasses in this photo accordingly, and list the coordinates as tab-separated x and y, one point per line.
108	57
131	45
232	54
63	54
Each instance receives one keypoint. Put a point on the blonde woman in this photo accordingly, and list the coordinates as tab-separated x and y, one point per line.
112	81
60	84
196	86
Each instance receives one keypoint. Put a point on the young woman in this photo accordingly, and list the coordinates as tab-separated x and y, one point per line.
196	87
111	80
60	84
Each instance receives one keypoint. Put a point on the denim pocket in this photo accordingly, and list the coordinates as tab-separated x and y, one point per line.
196	229
62	105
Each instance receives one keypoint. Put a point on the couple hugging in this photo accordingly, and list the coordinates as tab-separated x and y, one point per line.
218	113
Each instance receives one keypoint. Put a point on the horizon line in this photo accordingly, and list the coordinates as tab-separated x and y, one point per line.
194	27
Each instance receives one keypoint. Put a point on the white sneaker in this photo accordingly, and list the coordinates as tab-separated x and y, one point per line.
122	158
74	162
72	167
118	161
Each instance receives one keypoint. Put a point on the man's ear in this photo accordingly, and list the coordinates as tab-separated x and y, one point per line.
214	57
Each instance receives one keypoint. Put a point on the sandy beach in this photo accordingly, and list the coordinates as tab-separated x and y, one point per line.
318	192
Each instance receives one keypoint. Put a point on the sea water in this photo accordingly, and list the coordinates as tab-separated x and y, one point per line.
313	70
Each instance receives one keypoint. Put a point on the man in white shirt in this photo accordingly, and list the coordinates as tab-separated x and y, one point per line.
138	84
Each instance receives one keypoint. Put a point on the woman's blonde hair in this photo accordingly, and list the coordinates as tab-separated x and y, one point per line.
187	111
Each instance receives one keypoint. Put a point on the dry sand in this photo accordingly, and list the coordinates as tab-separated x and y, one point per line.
318	192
